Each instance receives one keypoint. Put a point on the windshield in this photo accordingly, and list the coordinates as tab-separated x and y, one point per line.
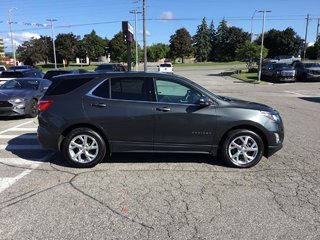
281	65
21	84
310	65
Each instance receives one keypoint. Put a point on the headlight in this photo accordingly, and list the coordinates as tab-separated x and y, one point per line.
17	100
269	115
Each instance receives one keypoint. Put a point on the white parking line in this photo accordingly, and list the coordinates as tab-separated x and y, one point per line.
7	182
29	136
23	129
21	147
20	125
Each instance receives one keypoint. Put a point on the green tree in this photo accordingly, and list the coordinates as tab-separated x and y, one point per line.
93	45
201	42
250	52
181	44
158	51
221	41
228	40
35	50
118	48
213	36
285	42
66	47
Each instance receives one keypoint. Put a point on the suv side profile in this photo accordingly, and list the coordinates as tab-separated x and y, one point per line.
90	116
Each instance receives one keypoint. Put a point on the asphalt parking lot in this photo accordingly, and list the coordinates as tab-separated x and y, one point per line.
169	196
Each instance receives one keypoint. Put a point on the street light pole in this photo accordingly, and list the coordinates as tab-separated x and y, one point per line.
252	24
262	38
53	41
135	12
144	37
11	36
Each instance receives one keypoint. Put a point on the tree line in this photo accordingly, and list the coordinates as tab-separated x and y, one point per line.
223	43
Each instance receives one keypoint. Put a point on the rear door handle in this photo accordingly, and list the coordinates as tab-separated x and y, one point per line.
163	109
99	105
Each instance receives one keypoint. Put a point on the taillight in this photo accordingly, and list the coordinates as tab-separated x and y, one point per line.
44	104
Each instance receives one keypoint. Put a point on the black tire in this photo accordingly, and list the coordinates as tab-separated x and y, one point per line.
237	145
304	77
33	110
84	148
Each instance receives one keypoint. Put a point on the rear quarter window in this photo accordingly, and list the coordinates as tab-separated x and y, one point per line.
63	86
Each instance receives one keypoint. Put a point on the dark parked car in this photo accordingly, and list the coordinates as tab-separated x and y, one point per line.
110	67
52	73
278	72
21	67
307	71
89	116
20	73
20	96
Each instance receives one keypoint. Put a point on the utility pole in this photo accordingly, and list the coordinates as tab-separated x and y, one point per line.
53	42
252	24
305	38
11	36
262	38
318	29
135	12
144	37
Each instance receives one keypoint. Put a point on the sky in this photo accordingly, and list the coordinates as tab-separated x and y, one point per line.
164	17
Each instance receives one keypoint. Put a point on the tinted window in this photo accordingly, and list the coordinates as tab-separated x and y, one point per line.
102	90
11	74
21	84
165	65
130	88
50	74
63	86
2	69
173	92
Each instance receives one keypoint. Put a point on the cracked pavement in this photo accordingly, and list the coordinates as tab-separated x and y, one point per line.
177	196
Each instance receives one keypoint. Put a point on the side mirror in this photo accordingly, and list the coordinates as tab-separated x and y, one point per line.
205	101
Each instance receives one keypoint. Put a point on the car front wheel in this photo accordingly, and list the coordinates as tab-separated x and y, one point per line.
242	148
83	147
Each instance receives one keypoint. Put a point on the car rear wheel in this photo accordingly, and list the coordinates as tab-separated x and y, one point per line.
33	111
83	147
242	148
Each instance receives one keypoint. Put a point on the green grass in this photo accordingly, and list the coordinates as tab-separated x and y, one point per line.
248	77
88	68
206	64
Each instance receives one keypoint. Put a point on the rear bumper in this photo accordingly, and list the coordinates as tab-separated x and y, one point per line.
48	139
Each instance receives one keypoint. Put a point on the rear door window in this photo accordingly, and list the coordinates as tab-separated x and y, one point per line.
63	86
103	90
131	88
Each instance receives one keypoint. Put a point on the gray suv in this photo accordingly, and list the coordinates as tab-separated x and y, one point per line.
90	116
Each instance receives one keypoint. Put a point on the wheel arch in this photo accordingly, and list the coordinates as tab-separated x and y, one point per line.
251	128
84	125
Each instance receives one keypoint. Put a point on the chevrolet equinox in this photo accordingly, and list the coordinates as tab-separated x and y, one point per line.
92	115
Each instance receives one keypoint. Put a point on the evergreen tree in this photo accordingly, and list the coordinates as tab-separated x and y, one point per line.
212	32
201	42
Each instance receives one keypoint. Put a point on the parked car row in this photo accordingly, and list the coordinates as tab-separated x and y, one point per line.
21	87
299	71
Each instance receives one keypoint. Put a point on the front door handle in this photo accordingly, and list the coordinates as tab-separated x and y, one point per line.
163	109
99	105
